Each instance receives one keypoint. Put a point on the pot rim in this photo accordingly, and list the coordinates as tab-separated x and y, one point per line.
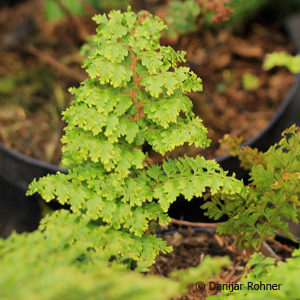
222	158
212	229
279	112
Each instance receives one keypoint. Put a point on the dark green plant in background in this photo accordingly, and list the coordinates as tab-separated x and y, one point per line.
189	15
54	11
181	17
243	9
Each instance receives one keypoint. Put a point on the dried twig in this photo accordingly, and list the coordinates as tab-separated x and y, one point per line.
45	57
268	251
280	246
159	270
231	273
193	224
219	240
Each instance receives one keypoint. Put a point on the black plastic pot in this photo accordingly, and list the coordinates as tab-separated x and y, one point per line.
287	114
212	229
19	169
17	212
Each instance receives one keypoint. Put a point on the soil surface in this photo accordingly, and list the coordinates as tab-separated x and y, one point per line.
40	61
223	60
191	245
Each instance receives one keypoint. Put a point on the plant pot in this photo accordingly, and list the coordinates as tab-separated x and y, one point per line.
17	212
287	114
191	243
19	169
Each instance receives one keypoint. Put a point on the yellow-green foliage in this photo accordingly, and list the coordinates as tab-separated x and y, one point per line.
135	96
250	82
60	261
282	59
285	275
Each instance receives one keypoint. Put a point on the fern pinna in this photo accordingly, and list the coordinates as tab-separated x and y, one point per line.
135	95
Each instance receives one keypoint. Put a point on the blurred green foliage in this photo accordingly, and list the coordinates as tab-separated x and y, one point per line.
54	13
250	82
181	17
244	9
282	59
7	85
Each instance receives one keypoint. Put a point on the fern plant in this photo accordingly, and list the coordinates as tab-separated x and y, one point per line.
267	280
273	193
135	96
59	261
